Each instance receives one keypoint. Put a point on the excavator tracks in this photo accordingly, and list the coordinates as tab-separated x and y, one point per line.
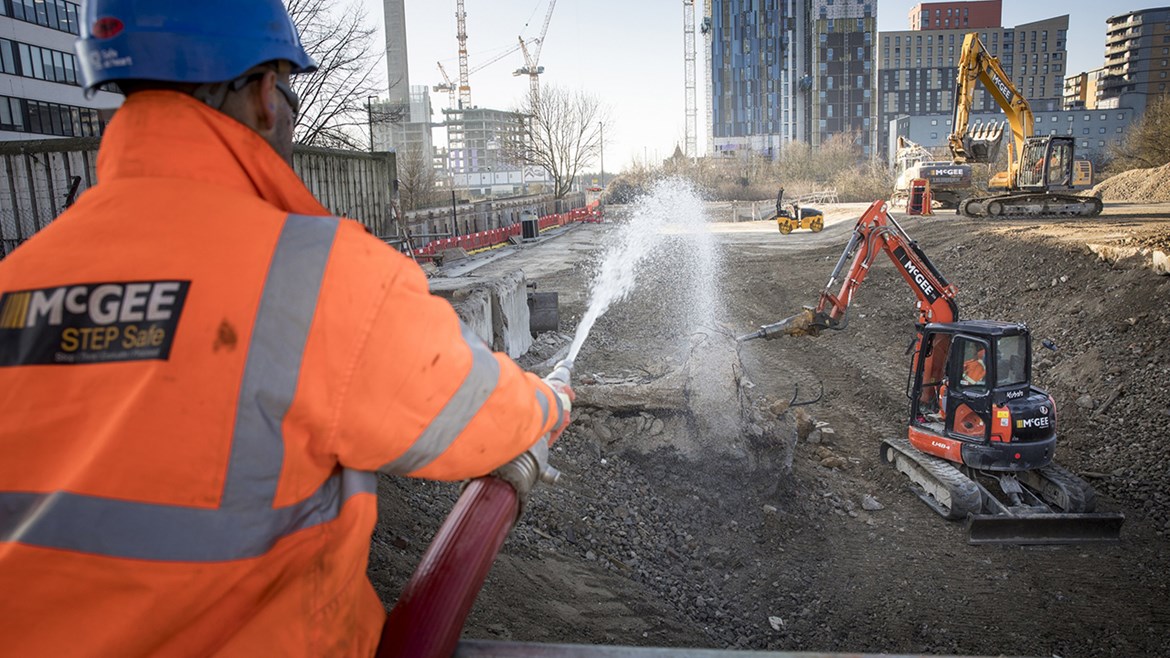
1031	206
939	484
1060	488
1067	519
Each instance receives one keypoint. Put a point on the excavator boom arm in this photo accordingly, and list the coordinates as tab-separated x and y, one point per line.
977	66
878	232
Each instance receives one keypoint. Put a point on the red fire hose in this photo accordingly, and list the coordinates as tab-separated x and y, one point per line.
429	616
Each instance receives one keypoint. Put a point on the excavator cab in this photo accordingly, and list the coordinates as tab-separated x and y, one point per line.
972	398
1048	164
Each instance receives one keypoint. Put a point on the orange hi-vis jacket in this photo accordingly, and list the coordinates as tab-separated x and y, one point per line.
200	373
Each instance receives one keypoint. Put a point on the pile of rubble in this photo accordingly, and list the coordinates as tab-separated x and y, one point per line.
1145	185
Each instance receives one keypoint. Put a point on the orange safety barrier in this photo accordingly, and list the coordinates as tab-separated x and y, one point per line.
487	239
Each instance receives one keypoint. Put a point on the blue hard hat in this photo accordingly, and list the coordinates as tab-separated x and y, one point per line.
184	40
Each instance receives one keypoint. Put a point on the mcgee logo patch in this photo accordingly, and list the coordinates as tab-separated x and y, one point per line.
90	323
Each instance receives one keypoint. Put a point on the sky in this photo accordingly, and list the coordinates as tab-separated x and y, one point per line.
629	53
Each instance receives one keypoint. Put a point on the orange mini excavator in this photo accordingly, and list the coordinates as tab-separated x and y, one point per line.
981	438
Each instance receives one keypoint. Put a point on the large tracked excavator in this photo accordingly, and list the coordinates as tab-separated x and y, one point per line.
1042	174
981	439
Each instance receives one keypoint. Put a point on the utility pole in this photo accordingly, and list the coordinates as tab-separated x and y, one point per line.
601	127
370	118
454	216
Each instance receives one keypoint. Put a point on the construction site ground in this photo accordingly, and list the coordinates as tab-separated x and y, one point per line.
680	524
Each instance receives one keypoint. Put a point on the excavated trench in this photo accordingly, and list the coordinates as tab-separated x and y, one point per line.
698	508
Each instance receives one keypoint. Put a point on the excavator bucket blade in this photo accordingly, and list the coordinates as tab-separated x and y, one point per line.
1044	528
983	141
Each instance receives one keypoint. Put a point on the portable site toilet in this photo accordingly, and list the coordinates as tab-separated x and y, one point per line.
919	202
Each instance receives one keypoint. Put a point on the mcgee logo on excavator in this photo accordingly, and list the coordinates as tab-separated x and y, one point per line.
1001	86
919	278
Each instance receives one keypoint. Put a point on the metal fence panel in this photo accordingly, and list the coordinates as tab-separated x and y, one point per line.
40	178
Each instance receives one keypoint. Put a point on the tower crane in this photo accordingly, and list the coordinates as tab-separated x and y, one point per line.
446	86
451	87
689	74
532	67
464	74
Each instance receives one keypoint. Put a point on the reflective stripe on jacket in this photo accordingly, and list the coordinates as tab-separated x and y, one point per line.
199	373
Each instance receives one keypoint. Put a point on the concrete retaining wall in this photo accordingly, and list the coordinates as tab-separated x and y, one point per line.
496	309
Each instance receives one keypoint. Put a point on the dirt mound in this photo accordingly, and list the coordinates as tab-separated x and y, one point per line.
1146	185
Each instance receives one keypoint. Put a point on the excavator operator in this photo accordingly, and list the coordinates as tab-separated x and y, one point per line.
201	371
975	369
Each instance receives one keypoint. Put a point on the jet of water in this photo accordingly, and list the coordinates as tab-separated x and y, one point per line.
671	206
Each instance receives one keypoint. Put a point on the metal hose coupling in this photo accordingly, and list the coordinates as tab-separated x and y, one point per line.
527	469
562	371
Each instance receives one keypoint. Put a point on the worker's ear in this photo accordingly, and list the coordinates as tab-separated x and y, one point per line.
267	103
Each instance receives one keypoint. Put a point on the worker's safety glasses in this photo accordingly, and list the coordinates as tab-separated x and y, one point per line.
294	101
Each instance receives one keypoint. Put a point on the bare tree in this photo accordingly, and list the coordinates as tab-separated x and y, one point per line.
416	178
1147	143
563	134
335	99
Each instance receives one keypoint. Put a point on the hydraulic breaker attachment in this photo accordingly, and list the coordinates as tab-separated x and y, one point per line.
1044	528
801	324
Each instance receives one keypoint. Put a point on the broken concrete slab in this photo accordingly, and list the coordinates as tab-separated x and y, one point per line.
495	308
1153	259
510	314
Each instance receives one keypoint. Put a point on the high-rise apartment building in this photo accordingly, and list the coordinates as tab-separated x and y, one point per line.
1080	90
974	15
842	98
788	70
1137	59
40	81
918	69
395	127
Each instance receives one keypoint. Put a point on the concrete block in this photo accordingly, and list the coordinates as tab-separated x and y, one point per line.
474	307
453	255
510	316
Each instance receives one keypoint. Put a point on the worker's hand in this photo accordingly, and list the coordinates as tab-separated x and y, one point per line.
565	394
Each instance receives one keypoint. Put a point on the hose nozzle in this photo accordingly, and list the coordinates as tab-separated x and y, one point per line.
562	371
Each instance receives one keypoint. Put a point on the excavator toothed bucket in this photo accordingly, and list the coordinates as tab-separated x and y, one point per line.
982	142
1044	528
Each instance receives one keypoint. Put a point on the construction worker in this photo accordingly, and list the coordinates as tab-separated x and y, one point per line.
201	371
975	369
